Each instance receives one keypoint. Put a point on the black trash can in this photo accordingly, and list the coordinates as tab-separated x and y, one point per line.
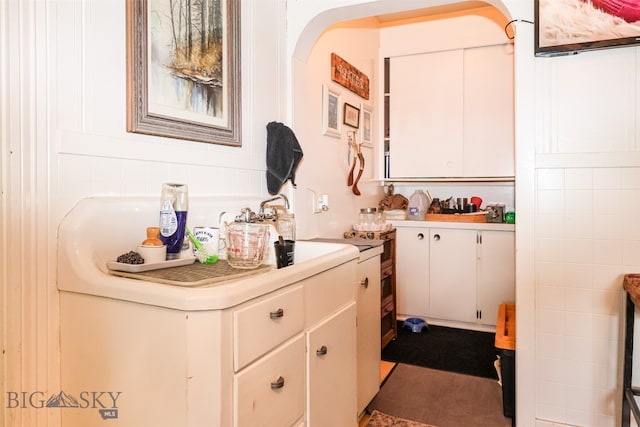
505	347
508	374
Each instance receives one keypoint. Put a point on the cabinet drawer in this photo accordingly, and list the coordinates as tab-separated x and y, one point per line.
272	391
328	291
260	326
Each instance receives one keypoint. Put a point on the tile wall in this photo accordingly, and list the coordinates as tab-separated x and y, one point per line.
587	238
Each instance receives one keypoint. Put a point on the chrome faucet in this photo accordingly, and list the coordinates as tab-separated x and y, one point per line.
279	196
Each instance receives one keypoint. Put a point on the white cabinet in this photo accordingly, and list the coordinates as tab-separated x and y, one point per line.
412	271
331	371
425	121
368	330
451	114
330	324
452	274
496	273
488	112
471	273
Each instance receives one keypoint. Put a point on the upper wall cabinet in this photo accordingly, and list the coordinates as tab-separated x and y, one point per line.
451	114
426	115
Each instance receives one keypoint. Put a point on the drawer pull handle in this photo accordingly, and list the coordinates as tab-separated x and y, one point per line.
279	383
420	236
322	351
436	237
365	282
277	314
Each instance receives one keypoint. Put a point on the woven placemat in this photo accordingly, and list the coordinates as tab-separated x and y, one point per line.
195	274
631	284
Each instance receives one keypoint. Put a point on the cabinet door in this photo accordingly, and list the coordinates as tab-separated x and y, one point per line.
368	330
488	111
426	115
452	274
496	273
412	271
331	371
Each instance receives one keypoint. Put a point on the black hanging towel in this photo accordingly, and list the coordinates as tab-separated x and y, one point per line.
283	156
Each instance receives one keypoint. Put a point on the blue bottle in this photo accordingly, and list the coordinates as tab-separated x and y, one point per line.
174	203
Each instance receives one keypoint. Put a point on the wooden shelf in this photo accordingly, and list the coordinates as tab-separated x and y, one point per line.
388	324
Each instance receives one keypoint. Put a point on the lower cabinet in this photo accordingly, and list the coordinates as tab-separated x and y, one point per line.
471	272
294	354
279	358
331	371
456	275
412	271
496	274
452	274
368	290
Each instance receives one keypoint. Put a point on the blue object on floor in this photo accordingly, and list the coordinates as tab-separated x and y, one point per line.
414	324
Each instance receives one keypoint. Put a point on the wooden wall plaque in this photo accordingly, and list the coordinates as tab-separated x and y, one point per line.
349	76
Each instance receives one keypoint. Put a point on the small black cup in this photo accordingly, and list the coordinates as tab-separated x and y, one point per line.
284	252
471	207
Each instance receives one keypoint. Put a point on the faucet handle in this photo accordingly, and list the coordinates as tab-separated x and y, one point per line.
246	215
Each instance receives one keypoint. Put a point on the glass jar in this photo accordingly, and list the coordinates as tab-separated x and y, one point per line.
367	219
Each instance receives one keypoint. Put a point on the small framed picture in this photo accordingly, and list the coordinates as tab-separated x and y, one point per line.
366	124
351	115
330	112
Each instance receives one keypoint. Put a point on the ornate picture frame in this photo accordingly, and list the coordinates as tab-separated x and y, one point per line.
184	83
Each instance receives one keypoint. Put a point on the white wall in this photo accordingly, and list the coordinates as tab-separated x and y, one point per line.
327	164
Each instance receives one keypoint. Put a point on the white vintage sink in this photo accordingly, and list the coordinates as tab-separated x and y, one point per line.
99	229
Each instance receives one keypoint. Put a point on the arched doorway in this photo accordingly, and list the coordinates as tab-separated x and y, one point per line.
302	41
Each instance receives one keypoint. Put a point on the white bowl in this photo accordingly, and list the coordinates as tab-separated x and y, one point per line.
152	253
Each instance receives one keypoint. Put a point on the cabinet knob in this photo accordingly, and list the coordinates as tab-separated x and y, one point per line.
436	237
321	351
279	383
365	282
277	314
420	236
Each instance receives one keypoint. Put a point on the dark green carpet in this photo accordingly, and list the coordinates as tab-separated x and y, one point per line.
447	349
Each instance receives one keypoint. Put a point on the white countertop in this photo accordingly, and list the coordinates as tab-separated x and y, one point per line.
456	225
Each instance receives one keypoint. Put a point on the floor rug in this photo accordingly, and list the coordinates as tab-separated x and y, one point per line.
444	399
378	419
448	349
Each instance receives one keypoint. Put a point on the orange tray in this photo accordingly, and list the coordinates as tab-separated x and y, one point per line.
506	327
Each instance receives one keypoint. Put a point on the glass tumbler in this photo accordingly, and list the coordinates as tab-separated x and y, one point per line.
286	226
